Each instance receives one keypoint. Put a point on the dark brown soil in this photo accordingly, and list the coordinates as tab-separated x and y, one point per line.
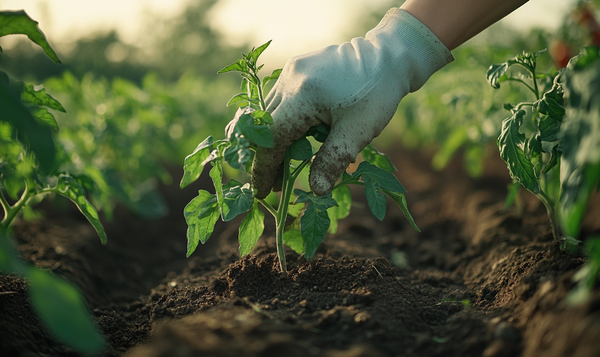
477	281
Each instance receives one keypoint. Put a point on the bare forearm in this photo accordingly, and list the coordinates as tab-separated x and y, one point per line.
456	21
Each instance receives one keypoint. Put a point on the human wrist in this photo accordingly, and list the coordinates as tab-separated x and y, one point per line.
416	52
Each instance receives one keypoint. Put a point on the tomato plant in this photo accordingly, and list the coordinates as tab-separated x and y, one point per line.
30	164
313	216
557	131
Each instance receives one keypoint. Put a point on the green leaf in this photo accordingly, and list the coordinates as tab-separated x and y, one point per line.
239	153
33	135
257	52
216	174
319	132
194	163
263	117
314	223
19	23
237	199
70	188
496	73
273	77
239	65
377	158
513	191
401	202
510	143
375	198
251	229
201	215
301	149
63	311
260	135
293	239
342	196
44	116
549	128
240	99
384	179
554	156
454	141
40	98
551	103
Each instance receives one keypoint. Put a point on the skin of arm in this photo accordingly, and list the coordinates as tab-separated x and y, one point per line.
456	21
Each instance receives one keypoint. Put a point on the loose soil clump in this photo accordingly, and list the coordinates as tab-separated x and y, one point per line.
477	281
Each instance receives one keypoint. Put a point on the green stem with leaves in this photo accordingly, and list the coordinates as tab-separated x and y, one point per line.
280	215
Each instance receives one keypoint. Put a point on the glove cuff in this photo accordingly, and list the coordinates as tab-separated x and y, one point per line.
405	38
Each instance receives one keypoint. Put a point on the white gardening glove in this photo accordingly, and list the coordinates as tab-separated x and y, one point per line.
355	88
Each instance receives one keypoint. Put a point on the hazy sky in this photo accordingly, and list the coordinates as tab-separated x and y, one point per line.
294	26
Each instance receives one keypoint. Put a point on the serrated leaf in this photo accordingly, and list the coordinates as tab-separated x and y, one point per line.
377	158
40	98
201	215
384	179
251	229
44	116
509	143
301	149
257	52
70	188
401	202
19	23
236	200
375	198
343	198
194	162
63	311
239	65
314	223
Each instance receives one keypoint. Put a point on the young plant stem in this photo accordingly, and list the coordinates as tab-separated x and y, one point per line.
547	201
281	214
12	212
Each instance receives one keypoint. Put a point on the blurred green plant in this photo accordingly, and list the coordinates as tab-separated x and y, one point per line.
125	136
29	169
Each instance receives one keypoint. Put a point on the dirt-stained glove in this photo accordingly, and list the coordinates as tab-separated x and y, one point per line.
355	88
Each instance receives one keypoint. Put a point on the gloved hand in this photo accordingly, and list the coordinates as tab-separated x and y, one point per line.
355	88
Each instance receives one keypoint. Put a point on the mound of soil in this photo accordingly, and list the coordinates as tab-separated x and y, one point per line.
478	280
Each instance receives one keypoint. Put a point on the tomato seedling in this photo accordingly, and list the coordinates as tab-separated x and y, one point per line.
313	216
557	132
